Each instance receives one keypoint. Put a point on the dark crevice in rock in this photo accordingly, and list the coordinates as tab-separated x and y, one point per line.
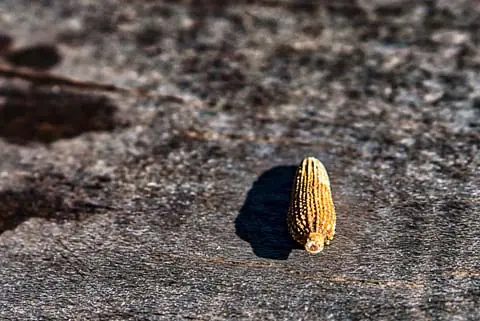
42	57
46	116
49	196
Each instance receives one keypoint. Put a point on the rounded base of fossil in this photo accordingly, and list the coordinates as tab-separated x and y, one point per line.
315	243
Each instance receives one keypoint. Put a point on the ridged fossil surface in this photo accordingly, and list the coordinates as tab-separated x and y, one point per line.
311	215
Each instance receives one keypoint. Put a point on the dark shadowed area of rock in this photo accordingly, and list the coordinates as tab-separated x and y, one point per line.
168	202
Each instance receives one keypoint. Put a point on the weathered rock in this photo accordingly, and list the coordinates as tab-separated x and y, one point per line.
169	203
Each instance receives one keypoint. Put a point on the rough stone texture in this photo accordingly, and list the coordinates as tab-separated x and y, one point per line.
118	206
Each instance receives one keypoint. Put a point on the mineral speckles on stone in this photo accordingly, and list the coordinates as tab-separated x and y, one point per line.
311	215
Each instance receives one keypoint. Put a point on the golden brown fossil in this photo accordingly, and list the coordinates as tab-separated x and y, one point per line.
311	216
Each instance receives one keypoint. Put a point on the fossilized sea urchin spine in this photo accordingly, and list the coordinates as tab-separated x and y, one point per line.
311	216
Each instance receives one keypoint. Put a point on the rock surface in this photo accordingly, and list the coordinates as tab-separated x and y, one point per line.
169	203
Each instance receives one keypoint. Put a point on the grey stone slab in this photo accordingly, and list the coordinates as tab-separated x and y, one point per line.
168	201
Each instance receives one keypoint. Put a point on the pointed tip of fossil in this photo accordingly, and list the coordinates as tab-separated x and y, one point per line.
318	168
